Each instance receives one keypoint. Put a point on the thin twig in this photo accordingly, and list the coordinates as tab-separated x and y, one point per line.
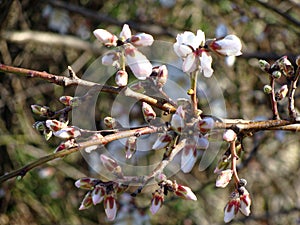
291	104
233	162
273	100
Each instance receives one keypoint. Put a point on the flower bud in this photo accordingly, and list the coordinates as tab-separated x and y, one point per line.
105	37
162	76
245	201
111	165
142	39
224	178
281	93
130	147
121	78
177	121
229	135
206	124
286	66
40	110
156	202
55	125
110	122
67	133
276	74
65	145
264	65
86	183
110	207
98	194
66	100
162	141
148	112
267	89
231	209
87	201
185	193
229	46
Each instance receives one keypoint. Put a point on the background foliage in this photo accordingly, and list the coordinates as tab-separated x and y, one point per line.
50	35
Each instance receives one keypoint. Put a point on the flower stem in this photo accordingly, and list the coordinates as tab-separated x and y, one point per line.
291	104
193	92
273	101
233	162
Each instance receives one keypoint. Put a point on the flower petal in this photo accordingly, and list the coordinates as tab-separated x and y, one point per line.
206	61
125	33
190	63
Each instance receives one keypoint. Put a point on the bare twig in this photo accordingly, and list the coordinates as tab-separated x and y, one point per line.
272	98
291	106
233	162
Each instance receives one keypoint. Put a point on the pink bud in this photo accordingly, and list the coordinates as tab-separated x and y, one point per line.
110	206
229	135
245	201
86	202
105	37
125	33
110	122
206	124
279	95
148	112
67	133
138	63
87	183
130	147
98	194
66	100
285	66
121	78
177	121
142	39
231	209
55	125
185	193
162	141
111	165
65	145
224	178
188	156
156	202
111	59
162	76
229	46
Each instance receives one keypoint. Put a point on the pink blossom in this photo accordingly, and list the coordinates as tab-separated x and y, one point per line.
111	58
185	193
231	209
142	39
229	135
202	143
55	125
98	194
188	156
162	141
156	202
190	47
106	37
110	207
206	124
177	121
67	132
87	183
121	78
125	33
224	178
229	46
245	201
148	112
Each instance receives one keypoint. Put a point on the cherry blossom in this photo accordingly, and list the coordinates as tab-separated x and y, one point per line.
228	46
190	48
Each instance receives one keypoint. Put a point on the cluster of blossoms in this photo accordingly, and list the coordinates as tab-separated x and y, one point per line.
185	124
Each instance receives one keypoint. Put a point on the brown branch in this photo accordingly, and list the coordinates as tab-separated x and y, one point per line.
103	141
73	81
293	87
233	162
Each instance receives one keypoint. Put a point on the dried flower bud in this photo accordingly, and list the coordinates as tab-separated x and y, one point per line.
286	66
276	74
130	147
121	78
162	141
40	110
86	183
264	65
224	178
229	135
281	93
148	112
111	165
206	124
110	206
87	201
156	202
267	89
185	193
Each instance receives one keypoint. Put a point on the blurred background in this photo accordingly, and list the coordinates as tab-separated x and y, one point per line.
50	35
